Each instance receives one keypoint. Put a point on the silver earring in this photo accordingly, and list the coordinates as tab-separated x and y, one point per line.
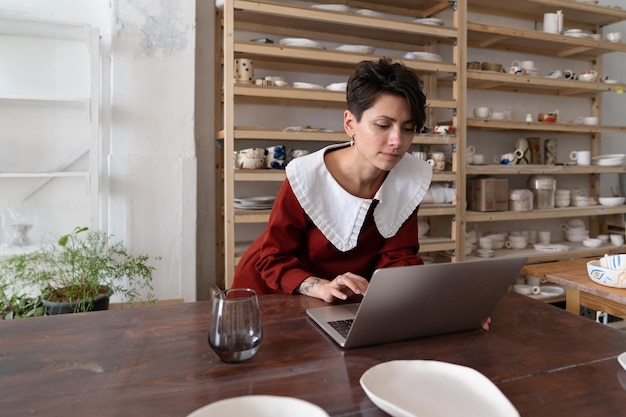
352	141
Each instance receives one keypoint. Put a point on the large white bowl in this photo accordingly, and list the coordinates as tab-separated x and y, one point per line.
605	276
410	388
260	406
612	201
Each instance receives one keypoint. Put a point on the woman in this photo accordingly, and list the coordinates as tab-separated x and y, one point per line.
349	208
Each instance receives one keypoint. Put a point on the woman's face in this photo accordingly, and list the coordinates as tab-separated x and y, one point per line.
385	131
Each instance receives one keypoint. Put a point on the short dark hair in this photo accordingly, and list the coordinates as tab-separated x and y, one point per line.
372	78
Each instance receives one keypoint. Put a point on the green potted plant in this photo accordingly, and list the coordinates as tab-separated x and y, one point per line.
80	272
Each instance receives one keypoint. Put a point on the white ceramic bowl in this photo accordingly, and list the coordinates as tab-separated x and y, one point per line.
612	201
605	276
591	242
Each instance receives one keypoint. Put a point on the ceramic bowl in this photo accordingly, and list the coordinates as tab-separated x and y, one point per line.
605	276
612	201
576	236
591	242
491	66
614	261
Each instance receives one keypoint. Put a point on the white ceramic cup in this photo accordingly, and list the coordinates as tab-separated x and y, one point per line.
516	242
498	115
581	157
544	237
590	120
616	240
483	112
478	159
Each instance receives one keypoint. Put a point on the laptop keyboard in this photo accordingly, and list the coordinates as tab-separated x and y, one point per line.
342	326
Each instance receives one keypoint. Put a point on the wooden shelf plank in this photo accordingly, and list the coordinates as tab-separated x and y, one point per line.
482	35
497	169
539	214
490	124
489	80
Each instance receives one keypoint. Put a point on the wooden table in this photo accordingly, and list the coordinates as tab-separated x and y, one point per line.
579	288
156	361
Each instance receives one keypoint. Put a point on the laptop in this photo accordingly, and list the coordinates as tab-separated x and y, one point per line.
422	300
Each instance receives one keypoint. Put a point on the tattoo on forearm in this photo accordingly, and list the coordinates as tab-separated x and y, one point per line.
308	284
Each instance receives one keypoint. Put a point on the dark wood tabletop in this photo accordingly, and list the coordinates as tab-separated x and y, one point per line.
156	361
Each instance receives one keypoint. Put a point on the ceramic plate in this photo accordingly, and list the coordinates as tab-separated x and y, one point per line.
418	388
551	248
337	86
260	406
548	291
609	162
429	21
301	42
333	7
255	203
361	49
425	56
610	156
298	84
368	12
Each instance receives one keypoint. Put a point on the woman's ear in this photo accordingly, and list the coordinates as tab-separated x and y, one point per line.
349	123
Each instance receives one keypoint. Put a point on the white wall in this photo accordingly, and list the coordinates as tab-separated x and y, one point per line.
149	64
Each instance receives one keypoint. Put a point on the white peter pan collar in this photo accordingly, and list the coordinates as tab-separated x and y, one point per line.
340	215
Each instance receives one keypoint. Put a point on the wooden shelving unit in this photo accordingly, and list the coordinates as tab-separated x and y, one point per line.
396	32
282	19
522	40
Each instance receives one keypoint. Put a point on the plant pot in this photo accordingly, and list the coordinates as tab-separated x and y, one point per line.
53	308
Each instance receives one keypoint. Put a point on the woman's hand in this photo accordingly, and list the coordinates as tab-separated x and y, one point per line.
340	288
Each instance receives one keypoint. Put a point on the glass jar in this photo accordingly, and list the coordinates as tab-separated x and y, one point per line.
521	200
543	188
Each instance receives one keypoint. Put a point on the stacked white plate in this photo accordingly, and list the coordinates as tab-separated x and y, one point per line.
433	21
360	49
309	86
577	33
333	7
551	247
337	86
368	12
301	42
254	203
425	56
609	160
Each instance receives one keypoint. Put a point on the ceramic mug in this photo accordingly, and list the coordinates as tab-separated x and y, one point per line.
244	70
516	70
478	159
508	158
581	157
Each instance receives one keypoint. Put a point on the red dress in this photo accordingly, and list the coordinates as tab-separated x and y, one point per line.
292	248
